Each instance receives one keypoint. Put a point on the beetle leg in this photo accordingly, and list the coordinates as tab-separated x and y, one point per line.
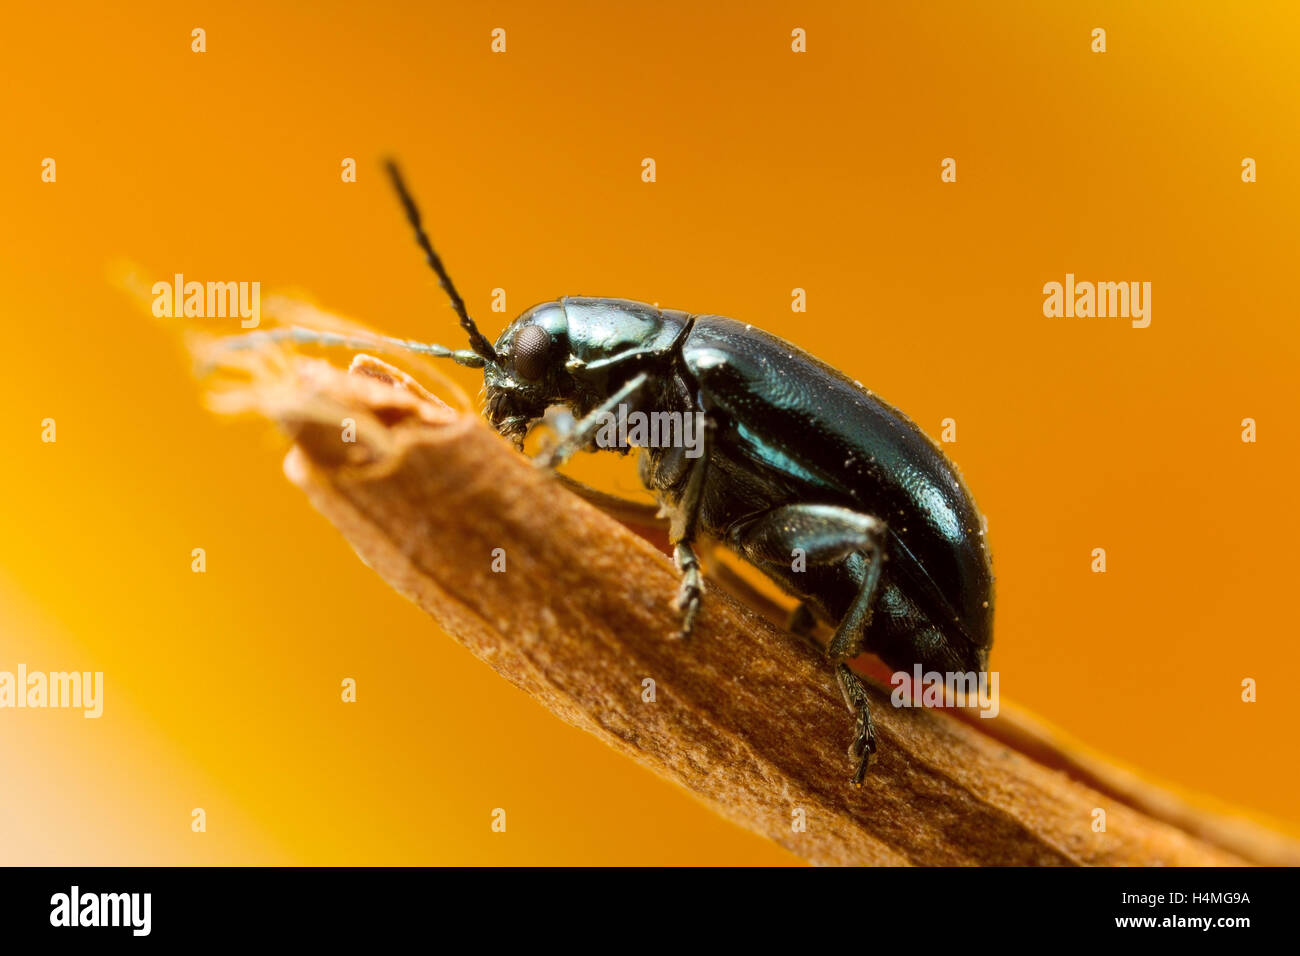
801	620
584	431
802	624
681	535
851	635
848	643
639	514
826	535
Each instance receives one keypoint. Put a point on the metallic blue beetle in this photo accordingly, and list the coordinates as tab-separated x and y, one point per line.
798	460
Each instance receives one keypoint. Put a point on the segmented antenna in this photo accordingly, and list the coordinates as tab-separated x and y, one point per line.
477	340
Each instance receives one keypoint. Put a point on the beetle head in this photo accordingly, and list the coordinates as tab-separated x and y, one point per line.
574	352
530	372
556	353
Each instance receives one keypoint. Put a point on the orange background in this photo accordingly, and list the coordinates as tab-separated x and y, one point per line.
775	170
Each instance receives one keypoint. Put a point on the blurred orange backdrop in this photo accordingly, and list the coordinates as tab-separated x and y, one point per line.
775	170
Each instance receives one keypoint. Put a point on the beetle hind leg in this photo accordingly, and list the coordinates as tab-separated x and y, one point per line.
827	535
801	621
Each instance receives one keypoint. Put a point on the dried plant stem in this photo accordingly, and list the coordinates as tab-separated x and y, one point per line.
745	716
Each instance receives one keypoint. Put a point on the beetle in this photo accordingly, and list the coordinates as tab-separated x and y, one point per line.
798	461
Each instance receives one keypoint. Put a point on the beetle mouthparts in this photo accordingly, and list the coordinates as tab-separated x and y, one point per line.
514	428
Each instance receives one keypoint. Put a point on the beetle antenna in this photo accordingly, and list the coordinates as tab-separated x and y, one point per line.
379	343
477	340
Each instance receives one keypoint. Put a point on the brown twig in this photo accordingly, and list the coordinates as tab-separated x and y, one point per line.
744	716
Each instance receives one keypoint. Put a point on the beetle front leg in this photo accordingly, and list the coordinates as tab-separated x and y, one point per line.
584	431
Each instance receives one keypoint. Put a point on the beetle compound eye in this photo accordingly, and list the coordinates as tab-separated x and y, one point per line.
531	347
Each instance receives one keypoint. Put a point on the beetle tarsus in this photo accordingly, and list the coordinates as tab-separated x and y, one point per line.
688	597
863	747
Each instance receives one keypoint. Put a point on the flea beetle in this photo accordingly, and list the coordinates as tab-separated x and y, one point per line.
832	493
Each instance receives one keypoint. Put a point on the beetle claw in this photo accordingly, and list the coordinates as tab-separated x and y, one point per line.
864	749
864	764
